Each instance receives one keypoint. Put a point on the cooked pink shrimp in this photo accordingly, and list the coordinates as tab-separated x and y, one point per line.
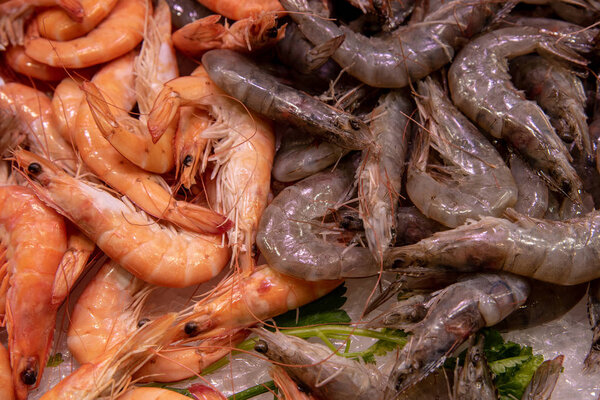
119	33
155	65
246	299
239	10
7	391
147	191
155	393
13	14
244	148
157	254
111	372
37	240
248	34
23	64
3	283
106	313
65	105
288	387
190	145
34	113
56	24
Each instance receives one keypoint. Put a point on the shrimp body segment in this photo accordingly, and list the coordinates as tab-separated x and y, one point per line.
261	92
36	237
474	180
7	391
239	10
560	252
481	88
409	53
119	33
65	105
154	393
157	254
23	64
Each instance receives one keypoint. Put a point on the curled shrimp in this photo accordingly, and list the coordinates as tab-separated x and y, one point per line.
106	313
248	34
481	88
261	92
20	62
533	192
328	376
55	24
36	238
410	53
474	181
290	243
235	10
33	110
110	372
521	245
149	192
118	34
7	391
155	65
246	299
157	254
453	314
379	177
14	13
244	147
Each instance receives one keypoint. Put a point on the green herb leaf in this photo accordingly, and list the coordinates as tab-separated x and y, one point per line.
253	391
55	360
499	367
383	346
515	385
326	310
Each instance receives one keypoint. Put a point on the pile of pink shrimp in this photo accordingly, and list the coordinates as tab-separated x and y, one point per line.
246	158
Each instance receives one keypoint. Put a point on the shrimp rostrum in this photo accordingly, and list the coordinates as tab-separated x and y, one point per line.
560	252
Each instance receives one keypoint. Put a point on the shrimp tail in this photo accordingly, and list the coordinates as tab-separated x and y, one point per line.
192	216
71	266
562	53
100	111
318	55
544	380
165	110
199	36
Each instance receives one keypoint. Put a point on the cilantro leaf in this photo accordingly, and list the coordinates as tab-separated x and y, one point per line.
382	346
515	385
326	310
499	367
55	360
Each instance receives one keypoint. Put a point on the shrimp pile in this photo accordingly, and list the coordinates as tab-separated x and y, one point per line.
178	174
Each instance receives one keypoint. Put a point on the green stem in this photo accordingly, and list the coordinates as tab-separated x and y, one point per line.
253	391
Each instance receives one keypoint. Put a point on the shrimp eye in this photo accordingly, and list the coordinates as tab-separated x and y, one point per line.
29	376
271	32
187	161
143	322
354	124
476	358
261	346
34	168
190	328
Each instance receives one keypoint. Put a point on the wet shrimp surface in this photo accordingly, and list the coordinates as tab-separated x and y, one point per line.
299	199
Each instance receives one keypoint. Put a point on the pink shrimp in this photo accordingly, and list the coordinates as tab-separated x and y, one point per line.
37	240
7	391
65	104
190	145
23	64
239	10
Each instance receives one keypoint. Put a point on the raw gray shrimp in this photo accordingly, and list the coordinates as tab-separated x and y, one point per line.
410	53
473	381
413	226
559	92
592	360
480	86
379	177
560	252
184	12
546	302
328	376
300	156
288	241
582	12
544	380
475	180
261	92
453	314
533	192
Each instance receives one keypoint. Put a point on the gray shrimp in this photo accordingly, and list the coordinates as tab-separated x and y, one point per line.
481	88
184	12
559	92
473	381
409	53
413	226
289	241
582	12
474	181
261	92
379	177
592	360
544	380
328	376
533	192
560	252
453	314
546	302
301	156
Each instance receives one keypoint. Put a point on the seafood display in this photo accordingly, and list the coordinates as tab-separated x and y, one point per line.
299	199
